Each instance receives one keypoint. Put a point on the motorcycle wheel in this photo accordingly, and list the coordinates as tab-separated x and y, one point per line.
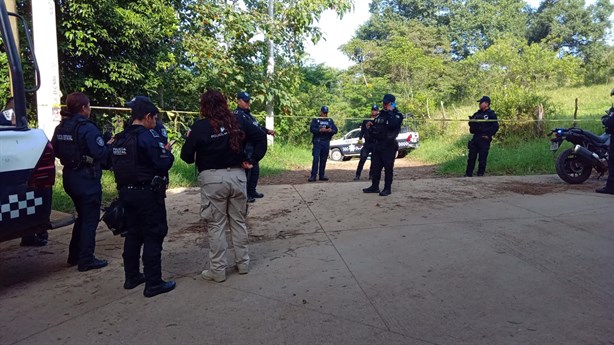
572	168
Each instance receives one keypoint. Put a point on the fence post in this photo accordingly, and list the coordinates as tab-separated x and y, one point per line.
575	114
540	120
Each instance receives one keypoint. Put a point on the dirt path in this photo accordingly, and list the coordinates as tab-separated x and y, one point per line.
404	169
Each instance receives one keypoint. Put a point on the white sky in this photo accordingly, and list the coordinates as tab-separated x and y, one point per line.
339	31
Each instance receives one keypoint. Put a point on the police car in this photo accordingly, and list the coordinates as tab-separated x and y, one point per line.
347	147
27	162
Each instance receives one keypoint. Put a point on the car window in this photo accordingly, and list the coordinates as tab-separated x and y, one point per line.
353	134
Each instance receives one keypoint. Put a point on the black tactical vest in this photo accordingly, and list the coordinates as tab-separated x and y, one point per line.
68	144
127	168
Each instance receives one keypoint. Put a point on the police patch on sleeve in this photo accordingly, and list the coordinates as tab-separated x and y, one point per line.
100	141
163	132
154	133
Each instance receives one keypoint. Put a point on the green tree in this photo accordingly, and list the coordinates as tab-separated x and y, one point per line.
114	49
570	25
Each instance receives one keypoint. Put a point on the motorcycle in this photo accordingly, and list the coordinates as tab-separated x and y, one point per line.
574	165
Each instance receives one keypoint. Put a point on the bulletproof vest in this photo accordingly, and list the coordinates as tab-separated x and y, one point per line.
125	157
69	147
323	123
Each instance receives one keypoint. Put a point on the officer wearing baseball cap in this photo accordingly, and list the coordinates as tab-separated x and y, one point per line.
323	129
367	146
243	110
140	163
384	131
483	125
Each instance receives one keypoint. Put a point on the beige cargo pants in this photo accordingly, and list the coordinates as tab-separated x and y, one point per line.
224	200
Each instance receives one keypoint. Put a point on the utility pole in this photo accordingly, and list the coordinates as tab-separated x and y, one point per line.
270	70
46	48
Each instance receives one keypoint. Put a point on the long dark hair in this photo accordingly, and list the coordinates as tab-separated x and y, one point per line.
74	103
214	107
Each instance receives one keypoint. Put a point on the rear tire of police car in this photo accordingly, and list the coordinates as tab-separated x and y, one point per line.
336	155
401	153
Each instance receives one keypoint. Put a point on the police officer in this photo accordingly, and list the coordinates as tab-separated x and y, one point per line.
323	129
608	122
483	125
140	163
367	146
216	143
384	131
243	109
83	152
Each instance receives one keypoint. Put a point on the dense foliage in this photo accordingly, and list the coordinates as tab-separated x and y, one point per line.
433	54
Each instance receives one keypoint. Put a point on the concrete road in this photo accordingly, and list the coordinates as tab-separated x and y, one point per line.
495	260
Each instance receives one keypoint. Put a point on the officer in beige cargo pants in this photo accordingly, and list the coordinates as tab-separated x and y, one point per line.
216	143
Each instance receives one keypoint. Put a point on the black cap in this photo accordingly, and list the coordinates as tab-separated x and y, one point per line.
142	105
324	109
244	96
388	98
484	99
374	107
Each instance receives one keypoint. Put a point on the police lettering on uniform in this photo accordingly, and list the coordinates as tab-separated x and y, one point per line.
243	110
608	122
323	128
216	143
483	125
383	132
367	145
141	162
83	152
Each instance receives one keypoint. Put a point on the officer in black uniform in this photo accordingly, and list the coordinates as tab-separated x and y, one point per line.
367	146
243	110
323	129
384	131
83	152
140	163
608	122
483	125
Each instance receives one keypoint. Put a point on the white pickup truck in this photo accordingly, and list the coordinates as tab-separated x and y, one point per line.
27	162
347	147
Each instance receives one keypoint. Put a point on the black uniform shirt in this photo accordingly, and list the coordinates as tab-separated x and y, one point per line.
483	128
322	122
364	131
212	150
386	127
150	143
247	114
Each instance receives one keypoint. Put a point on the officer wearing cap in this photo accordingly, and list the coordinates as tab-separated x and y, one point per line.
216	143
83	152
323	128
367	146
483	125
243	110
608	122
384	131
140	162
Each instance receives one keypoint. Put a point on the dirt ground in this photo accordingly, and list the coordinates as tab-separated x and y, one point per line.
404	169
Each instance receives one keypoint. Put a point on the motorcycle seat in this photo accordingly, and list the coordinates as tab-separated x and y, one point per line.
600	139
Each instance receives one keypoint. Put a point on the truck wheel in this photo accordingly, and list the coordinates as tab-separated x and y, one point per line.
336	155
